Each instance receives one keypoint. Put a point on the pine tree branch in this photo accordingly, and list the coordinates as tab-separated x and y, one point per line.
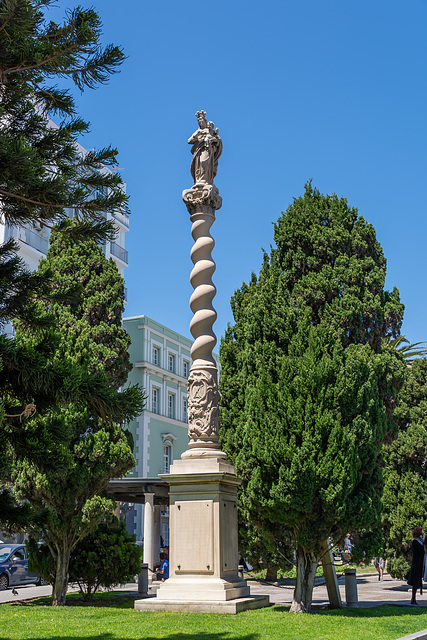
42	63
9	194
50	36
8	19
28	412
54	99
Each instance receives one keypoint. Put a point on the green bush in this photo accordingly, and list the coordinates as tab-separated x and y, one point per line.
398	566
104	558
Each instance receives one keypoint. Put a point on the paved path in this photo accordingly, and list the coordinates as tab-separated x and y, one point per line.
371	592
27	592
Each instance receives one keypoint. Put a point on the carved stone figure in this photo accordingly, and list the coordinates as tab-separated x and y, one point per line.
206	150
203	416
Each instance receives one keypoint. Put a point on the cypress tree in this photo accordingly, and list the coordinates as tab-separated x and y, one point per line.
405	471
307	388
71	488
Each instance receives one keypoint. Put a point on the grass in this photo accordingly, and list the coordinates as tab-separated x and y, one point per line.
339	568
114	618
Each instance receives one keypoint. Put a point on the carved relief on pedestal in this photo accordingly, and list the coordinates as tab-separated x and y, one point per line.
203	414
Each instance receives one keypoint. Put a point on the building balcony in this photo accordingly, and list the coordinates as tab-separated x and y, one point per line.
30	238
118	251
121	217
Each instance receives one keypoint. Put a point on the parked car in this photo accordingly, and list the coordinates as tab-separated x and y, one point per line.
14	567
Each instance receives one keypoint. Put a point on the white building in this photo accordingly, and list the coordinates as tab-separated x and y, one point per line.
33	240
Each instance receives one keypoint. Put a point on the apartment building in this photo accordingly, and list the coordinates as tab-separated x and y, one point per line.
33	239
161	361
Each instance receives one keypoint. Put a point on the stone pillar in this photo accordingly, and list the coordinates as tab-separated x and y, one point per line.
143	580
148	551
351	597
203	562
202	200
156	532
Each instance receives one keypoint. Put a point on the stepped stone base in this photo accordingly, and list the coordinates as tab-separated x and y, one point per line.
202	588
203	563
203	606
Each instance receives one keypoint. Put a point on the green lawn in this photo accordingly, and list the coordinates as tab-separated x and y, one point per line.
339	568
114	618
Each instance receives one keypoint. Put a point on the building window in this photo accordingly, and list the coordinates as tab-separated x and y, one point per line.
167	455
185	410
165	529
155	400
171	363
171	405
168	439
185	369
156	354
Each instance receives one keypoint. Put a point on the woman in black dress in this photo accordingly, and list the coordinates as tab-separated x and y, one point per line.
415	578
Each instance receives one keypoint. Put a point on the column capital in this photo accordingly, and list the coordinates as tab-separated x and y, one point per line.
202	198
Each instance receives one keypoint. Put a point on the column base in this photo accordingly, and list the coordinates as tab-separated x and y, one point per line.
202	588
206	606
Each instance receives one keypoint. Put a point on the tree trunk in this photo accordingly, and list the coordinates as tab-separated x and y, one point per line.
59	589
306	572
271	574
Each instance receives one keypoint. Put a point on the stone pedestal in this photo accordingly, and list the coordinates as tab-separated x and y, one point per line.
204	557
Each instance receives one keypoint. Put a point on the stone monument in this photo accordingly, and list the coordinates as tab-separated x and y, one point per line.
203	485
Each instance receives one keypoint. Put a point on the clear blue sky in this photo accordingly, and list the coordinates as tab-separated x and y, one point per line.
333	90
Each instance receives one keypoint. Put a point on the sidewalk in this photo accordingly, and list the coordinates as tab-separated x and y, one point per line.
371	592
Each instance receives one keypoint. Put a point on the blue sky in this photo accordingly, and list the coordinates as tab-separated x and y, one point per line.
333	90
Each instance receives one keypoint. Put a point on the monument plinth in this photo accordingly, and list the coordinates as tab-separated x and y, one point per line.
204	556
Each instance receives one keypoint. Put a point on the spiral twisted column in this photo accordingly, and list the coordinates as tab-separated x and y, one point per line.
204	291
202	200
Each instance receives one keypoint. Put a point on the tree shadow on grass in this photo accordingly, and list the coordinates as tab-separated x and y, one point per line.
75	600
384	610
174	636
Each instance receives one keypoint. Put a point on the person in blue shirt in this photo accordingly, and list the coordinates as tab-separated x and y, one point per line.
163	571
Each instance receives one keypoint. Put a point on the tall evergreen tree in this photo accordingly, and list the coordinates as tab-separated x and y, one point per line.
71	488
307	388
43	171
405	471
30	381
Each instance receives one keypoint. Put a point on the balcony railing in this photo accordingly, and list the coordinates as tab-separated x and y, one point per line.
30	238
119	252
122	217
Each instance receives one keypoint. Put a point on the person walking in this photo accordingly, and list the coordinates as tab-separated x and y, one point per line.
379	564
348	547
415	576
